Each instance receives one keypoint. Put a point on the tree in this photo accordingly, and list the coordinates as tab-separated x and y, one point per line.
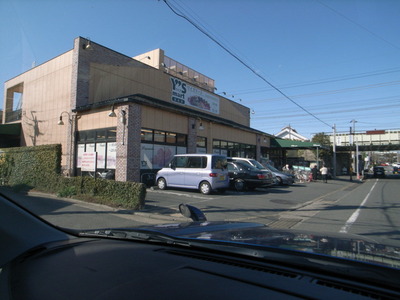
325	152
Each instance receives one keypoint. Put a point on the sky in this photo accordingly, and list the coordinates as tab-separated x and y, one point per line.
308	64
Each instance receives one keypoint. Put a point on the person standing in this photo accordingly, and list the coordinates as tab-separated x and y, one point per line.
324	173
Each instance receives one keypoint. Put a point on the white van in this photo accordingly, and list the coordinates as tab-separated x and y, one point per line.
205	172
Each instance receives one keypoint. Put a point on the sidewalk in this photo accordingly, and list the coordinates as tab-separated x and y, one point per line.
148	216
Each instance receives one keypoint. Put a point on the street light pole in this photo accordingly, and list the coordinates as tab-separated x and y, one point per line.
355	142
71	120
334	150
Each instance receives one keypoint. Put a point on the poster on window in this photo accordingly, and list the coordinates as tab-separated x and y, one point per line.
80	150
89	161
90	148
185	94
146	156
111	155
162	155
101	155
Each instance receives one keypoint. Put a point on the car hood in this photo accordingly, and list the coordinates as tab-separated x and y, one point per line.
341	245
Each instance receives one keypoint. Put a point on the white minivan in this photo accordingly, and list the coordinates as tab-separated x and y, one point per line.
205	172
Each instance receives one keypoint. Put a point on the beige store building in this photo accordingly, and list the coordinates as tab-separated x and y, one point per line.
128	115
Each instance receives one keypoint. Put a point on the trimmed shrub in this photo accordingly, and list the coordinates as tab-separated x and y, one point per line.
130	195
32	166
39	168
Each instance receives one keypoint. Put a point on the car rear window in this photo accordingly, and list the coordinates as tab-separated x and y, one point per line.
218	162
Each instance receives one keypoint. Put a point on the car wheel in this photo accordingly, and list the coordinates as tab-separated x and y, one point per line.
205	188
240	185
161	183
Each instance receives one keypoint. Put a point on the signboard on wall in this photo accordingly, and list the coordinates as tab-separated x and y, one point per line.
89	161
376	132
185	94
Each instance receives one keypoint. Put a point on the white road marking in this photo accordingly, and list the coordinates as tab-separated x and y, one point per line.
193	196
355	215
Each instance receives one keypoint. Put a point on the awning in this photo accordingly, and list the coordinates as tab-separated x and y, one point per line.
10	129
290	144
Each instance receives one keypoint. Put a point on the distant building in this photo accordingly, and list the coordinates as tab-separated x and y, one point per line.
289	133
367	138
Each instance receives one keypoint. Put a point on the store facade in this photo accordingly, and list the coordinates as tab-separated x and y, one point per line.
126	115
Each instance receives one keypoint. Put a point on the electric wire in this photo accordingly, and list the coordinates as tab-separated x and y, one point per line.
322	93
317	82
242	62
359	25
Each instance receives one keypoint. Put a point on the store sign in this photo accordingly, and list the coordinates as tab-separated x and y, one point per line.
185	94
89	161
376	132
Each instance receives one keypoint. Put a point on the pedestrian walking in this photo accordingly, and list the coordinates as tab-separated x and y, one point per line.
324	173
314	172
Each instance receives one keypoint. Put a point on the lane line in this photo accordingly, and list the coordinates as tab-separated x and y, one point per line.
355	215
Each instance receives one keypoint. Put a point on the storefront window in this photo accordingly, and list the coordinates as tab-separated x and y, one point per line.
233	149
159	137
146	135
181	140
216	144
170	138
201	146
157	152
103	142
90	135
100	134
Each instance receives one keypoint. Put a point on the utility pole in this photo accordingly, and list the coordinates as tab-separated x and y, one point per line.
355	142
334	150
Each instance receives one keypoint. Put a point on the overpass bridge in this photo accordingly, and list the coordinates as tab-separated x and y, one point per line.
372	140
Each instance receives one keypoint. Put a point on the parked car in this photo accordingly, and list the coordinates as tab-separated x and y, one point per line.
379	171
256	164
243	176
205	172
282	178
396	170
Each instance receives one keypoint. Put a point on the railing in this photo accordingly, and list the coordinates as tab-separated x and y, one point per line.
13	115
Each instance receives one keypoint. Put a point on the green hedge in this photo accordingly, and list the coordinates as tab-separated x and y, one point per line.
31	166
130	195
39	168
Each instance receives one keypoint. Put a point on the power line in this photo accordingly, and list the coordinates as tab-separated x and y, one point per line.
352	89
242	62
359	25
322	81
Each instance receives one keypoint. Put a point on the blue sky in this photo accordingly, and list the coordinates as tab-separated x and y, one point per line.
334	60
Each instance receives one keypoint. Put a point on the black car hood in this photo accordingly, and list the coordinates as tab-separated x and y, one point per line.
332	244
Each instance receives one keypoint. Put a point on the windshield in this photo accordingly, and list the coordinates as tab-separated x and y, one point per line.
273	169
257	164
114	113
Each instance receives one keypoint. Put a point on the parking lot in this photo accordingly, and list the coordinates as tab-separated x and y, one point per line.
264	205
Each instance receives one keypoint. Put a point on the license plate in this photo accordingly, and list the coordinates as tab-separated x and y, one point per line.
221	177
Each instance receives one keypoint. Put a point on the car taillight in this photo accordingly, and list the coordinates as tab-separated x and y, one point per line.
213	174
261	176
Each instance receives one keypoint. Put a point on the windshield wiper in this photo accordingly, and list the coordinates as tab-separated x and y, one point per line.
133	234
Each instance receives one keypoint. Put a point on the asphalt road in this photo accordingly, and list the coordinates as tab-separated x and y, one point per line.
369	208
